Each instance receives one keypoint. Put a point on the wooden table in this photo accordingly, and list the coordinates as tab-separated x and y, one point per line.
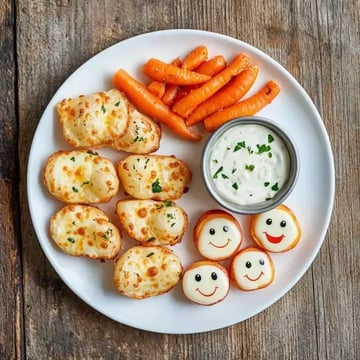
43	42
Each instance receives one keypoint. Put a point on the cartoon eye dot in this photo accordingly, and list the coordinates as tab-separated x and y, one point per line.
206	282
217	235
277	230
252	269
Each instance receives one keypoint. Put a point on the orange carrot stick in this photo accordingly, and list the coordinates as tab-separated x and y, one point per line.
171	89
232	92
196	57
157	88
170	94
149	104
247	107
171	74
186	105
212	66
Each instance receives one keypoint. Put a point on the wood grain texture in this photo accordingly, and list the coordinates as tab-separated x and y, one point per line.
317	41
11	336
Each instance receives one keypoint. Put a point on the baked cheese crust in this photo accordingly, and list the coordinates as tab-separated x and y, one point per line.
156	177
83	230
80	176
93	120
142	135
152	222
142	272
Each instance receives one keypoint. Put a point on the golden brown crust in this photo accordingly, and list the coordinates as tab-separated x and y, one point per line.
83	230
93	120
152	222
143	272
80	176
156	177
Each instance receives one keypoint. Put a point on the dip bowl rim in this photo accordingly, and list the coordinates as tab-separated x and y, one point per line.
285	190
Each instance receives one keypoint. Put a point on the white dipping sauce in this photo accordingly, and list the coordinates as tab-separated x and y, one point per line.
249	164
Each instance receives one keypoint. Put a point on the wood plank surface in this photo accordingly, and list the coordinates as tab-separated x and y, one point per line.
11	336
316	41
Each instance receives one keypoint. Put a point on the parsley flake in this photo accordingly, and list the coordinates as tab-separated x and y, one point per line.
72	158
275	187
71	239
150	254
235	186
218	171
155	186
263	148
74	189
270	138
168	203
250	167
103	109
239	145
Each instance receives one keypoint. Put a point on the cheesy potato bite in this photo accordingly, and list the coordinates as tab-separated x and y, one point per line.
142	135
93	120
142	272
80	176
156	177
152	222
83	230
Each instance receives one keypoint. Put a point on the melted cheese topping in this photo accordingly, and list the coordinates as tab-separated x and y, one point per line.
252	269
152	222
249	164
143	272
80	176
81	230
276	230
93	120
206	284
219	238
154	177
142	135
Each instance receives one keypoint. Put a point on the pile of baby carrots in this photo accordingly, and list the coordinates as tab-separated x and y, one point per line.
197	89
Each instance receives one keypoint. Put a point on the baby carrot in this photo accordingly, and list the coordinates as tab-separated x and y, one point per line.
151	105
237	87
157	88
212	66
196	57
187	104
171	74
249	106
170	94
171	89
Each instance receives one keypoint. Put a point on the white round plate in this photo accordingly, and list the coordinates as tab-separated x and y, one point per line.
311	200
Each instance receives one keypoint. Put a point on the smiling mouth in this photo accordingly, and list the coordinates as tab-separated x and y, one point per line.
207	295
249	278
220	246
274	239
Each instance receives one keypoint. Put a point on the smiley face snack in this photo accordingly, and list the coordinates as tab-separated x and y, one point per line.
276	230
206	282
217	235
252	269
